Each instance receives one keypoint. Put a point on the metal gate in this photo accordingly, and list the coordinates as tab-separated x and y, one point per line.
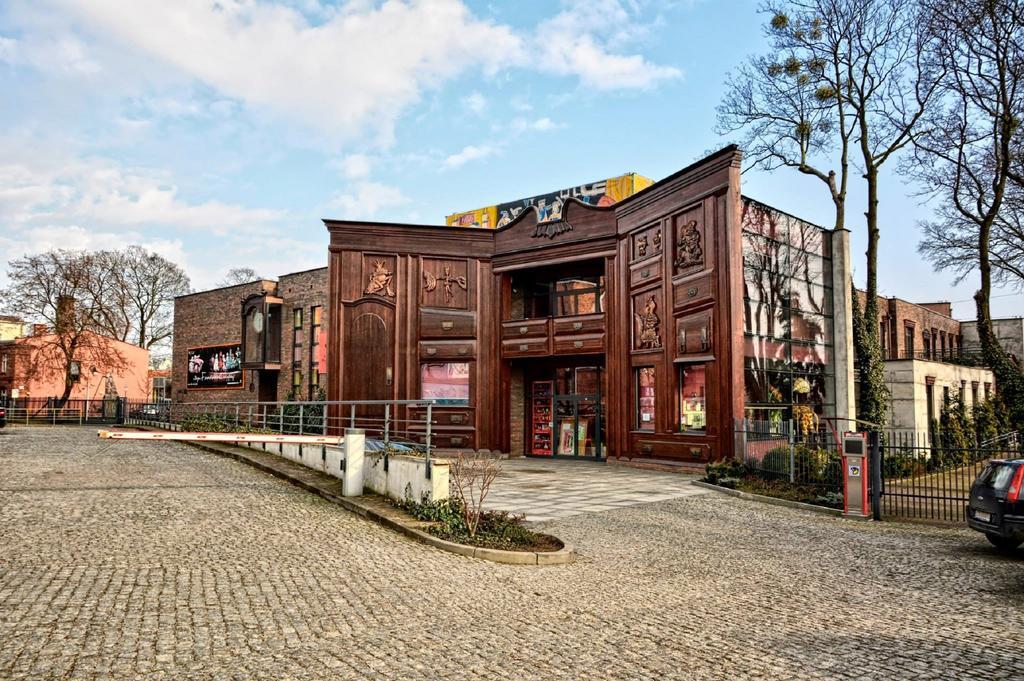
928	476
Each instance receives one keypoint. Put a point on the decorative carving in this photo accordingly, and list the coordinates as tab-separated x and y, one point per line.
689	252
380	281
657	240
447	281
549	230
641	245
649	323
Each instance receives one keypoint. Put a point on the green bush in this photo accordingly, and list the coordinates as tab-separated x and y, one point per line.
715	472
216	423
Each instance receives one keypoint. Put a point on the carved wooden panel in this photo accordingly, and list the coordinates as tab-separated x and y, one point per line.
690	245
648	328
647	243
445	283
379	275
693	335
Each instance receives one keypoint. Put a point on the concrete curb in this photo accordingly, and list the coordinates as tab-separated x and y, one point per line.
394	519
799	505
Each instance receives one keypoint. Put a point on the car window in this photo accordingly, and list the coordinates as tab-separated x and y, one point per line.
997	476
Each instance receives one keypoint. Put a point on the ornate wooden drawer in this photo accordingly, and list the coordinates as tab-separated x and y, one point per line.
580	324
442	416
447	324
579	345
524	328
693	291
449	439
645	273
447	350
668	449
525	347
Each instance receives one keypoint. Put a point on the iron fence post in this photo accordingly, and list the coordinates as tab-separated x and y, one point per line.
792	457
430	419
238	408
387	421
301	406
352	417
875	466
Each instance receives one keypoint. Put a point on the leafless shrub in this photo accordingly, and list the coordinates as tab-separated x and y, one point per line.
471	476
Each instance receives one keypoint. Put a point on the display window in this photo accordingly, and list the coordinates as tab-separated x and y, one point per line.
645	398
692	397
445	382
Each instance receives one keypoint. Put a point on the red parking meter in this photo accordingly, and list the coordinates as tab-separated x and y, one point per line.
855	475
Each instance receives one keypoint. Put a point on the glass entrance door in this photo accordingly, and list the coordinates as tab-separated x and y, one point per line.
579	423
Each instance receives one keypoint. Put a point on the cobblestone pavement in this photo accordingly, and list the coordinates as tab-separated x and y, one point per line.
156	560
545	490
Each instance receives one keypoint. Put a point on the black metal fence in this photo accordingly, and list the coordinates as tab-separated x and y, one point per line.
928	476
53	411
913	476
783	451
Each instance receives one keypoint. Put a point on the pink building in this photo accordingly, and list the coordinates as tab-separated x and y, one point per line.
34	367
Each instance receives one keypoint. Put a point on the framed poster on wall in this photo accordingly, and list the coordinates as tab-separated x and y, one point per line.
215	366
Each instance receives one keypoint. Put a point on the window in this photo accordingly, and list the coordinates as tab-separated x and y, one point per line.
988	390
963	392
297	318
692	392
645	398
315	314
445	382
3	364
297	379
582	295
929	396
908	341
883	339
927	344
974	393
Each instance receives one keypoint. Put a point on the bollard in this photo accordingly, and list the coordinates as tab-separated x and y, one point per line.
855	477
354	451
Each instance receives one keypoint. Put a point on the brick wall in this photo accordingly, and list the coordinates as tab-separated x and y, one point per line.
517	412
301	290
215	318
211	318
926	323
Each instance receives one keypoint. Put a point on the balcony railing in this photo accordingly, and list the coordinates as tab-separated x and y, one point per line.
971	358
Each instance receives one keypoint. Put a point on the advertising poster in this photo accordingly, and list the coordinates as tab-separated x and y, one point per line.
216	366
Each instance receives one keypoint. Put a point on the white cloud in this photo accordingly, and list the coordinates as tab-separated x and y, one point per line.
475	102
357	68
579	41
367	200
539	125
354	166
469	153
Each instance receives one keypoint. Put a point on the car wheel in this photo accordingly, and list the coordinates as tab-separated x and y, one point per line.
1003	543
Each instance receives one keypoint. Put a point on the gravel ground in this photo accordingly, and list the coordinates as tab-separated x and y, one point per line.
129	559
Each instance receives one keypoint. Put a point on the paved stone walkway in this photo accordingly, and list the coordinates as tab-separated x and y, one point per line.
545	490
156	560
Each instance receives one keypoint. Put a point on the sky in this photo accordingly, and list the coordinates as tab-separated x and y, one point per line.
220	133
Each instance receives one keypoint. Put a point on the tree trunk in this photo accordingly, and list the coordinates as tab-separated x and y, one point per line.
873	392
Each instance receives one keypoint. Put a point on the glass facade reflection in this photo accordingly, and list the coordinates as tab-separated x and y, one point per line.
787	307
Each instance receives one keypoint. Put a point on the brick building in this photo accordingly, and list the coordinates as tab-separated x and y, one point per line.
208	335
927	361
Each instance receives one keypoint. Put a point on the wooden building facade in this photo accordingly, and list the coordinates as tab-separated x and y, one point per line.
613	331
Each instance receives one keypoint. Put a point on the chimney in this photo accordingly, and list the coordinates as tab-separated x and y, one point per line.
65	314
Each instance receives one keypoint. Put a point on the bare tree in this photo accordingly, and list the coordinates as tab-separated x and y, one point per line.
970	158
791	105
239	275
56	288
472	476
134	299
853	71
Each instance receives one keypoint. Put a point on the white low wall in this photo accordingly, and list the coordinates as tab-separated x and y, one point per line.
405	476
